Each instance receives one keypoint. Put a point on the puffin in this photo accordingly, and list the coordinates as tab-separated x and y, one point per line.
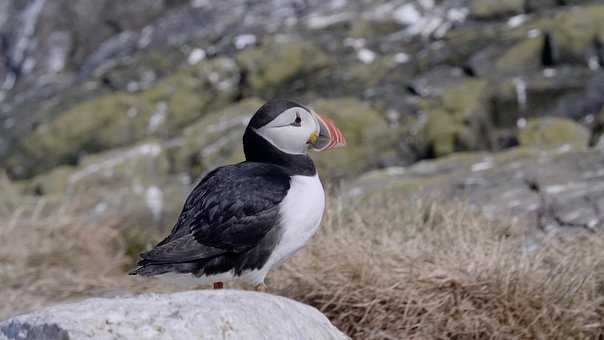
242	220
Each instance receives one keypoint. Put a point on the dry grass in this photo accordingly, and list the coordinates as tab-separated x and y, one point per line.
427	271
386	269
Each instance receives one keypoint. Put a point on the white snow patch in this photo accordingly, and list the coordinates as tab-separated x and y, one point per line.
244	40
366	56
196	56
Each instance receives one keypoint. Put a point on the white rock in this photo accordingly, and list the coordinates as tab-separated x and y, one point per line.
204	314
366	56
196	56
244	40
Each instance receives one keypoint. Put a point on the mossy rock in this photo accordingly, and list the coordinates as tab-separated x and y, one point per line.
492	9
144	165
523	56
55	181
278	68
552	132
120	118
370	139
457	120
573	31
215	139
136	182
143	71
373	29
441	131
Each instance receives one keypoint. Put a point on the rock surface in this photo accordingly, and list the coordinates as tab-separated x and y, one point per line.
548	189
445	76
226	314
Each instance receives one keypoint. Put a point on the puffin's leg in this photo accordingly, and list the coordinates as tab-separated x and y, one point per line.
218	285
261	288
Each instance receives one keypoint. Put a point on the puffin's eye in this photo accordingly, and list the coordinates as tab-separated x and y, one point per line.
298	121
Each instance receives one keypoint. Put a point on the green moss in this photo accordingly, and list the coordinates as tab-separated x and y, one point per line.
456	119
573	30
488	9
520	57
214	139
276	66
120	119
92	126
370	139
551	132
441	130
373	29
51	182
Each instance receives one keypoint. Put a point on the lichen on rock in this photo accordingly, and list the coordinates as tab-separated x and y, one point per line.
552	132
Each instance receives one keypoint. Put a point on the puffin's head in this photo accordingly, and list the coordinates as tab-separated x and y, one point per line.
294	129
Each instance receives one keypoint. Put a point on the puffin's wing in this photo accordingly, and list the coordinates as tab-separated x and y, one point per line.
230	210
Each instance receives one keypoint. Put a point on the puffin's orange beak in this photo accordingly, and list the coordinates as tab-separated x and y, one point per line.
327	136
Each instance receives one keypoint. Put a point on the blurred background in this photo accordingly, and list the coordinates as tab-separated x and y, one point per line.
111	110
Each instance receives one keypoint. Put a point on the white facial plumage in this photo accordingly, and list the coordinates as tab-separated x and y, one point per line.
290	130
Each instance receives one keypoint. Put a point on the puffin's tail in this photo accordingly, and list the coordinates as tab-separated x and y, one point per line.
147	267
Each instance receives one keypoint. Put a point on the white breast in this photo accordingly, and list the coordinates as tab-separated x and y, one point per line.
301	212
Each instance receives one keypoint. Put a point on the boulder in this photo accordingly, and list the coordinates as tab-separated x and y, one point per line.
224	314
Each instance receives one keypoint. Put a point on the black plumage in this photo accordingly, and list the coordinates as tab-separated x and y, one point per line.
229	222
